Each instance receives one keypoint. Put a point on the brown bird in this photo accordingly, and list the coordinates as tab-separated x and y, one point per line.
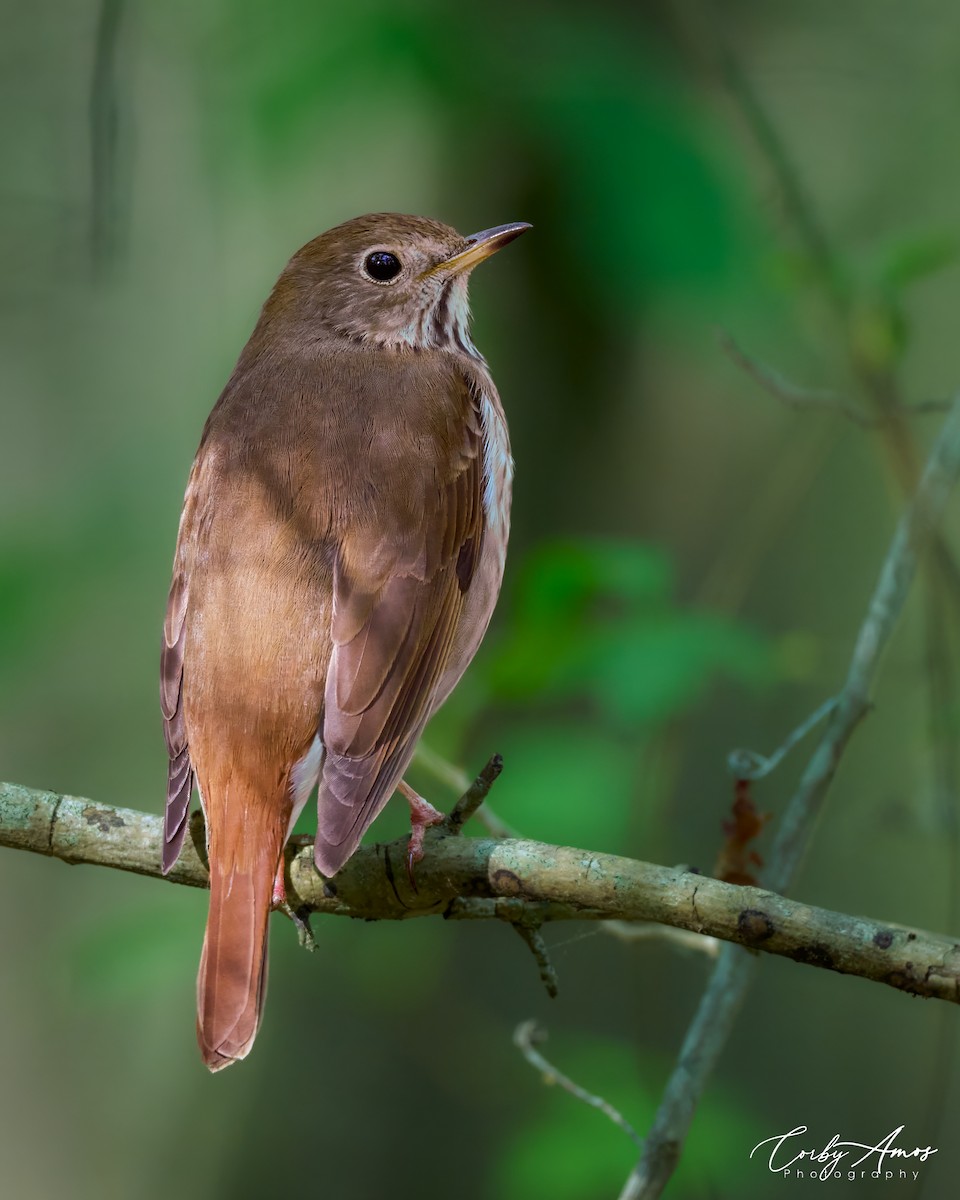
339	557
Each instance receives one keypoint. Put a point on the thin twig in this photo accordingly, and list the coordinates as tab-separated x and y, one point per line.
525	917
879	383
732	975
532	938
796	397
748	764
800	210
923	408
441	768
707	1035
469	803
456	778
526	1038
647	931
789	393
914	532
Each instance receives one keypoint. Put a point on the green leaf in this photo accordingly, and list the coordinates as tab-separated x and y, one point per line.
594	619
879	331
561	577
917	258
654	670
566	783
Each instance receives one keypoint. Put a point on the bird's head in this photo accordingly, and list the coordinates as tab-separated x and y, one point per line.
386	280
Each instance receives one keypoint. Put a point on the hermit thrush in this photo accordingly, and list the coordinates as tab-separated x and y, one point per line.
339	557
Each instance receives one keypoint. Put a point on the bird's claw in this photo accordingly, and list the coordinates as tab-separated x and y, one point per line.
422	816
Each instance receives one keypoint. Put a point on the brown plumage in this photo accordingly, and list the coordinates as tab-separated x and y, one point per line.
339	557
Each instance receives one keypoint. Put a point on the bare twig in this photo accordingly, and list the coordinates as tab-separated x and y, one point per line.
532	938
469	803
913	534
796	397
526	1038
646	931
748	764
707	1035
923	408
525	917
800	211
732	975
791	394
879	384
456	778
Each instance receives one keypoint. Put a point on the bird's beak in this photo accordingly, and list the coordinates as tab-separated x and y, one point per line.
481	245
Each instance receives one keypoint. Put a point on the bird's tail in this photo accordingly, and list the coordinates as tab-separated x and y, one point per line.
232	981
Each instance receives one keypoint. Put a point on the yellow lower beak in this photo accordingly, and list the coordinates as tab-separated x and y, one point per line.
481	245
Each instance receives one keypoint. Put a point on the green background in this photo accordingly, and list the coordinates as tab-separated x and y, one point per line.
689	564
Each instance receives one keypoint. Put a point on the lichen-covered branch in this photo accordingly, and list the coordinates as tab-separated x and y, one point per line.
732	975
522	882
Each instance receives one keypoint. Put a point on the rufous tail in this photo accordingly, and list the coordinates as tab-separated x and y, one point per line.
232	981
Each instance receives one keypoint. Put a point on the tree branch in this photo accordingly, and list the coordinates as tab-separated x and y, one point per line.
733	973
523	882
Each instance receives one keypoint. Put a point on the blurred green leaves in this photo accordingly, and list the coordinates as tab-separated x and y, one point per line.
644	199
641	198
880	328
915	258
597	660
597	620
250	126
566	782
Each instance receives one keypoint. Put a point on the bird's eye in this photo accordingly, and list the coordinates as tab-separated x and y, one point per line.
382	266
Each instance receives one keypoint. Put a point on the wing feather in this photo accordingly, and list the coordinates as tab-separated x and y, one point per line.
180	773
396	609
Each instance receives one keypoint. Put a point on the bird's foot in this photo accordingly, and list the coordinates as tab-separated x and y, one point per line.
197	830
279	897
279	902
301	922
422	816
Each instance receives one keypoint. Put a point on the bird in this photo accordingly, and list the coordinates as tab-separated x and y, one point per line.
339	556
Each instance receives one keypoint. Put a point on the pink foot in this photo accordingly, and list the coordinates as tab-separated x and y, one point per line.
422	816
279	903
279	898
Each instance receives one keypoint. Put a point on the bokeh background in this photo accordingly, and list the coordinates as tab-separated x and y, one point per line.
689	565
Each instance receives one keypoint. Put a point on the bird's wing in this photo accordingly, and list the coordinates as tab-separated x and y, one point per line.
180	773
397	602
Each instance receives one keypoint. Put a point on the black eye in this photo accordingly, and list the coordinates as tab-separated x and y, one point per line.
382	266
